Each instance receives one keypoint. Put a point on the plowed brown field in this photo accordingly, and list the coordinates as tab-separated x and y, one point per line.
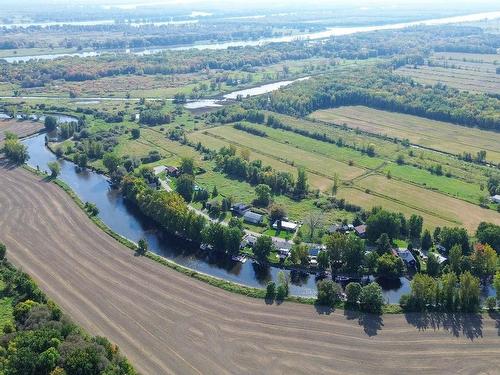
166	322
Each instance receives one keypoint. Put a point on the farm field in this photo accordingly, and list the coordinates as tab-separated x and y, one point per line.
313	162
469	77
434	204
464	188
20	128
159	328
459	57
166	86
386	149
317	181
433	134
429	195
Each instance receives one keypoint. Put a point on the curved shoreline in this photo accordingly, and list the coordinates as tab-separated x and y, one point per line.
165	322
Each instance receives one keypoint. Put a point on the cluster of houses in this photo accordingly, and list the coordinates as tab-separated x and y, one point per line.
251	217
360	230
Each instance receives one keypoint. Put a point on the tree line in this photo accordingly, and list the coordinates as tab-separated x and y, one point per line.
378	88
41	339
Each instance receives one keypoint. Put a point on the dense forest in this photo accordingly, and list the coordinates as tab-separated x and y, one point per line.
40	339
379	88
410	45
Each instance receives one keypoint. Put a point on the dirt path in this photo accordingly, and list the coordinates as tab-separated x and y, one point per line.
167	323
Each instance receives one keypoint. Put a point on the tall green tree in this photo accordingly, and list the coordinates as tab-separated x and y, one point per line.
488	233
263	247
433	266
55	168
448	291
371	298
455	258
185	186
263	193
496	284
301	186
423	291
390	266
328	292
483	261
469	292
382	221
384	244
426	240
50	123
187	165
111	161
415	226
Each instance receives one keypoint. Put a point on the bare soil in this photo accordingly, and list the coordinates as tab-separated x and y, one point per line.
168	323
21	128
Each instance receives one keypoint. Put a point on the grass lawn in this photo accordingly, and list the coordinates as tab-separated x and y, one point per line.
313	162
401	243
429	133
279	233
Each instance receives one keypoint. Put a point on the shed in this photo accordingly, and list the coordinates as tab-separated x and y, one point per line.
360	230
172	171
285	225
240	208
252	217
407	257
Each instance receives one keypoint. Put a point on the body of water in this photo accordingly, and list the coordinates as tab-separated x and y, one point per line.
254	91
334	31
127	221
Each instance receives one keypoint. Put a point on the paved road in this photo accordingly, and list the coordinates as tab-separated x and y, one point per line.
167	323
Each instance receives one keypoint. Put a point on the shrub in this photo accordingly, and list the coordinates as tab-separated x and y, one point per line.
353	291
271	290
490	303
328	292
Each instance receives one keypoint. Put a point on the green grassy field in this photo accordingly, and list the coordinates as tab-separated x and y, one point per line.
412	190
428	202
466	77
433	134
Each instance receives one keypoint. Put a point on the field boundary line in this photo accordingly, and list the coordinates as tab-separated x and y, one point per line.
403	203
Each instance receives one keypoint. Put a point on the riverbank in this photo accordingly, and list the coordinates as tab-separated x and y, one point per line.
329	32
159	317
220	283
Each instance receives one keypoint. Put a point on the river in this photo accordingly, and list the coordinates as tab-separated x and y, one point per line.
334	31
127	221
253	91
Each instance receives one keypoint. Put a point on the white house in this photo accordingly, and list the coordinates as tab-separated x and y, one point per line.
285	225
496	198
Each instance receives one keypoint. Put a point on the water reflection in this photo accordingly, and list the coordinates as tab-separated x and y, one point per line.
126	220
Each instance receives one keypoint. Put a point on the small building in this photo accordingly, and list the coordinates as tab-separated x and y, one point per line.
407	257
253	218
334	228
440	259
314	251
441	249
172	171
248	240
159	169
285	225
240	208
496	198
283	253
360	230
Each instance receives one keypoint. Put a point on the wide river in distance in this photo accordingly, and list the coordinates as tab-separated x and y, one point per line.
334	31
